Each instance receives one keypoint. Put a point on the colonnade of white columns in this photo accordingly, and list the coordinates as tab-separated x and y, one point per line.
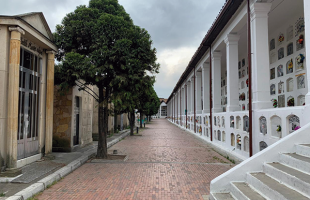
260	68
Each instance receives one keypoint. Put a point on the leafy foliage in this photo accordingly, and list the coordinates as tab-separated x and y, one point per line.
99	45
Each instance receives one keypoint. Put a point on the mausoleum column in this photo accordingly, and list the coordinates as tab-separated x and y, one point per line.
189	98
260	56
183	101
232	72
13	96
216	81
198	93
307	43
206	87
192	95
49	101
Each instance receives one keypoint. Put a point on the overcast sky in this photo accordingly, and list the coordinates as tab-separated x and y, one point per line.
177	27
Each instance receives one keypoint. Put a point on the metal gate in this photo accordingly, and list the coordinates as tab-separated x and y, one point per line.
28	118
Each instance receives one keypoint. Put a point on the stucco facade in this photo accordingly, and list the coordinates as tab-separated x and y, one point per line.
26	76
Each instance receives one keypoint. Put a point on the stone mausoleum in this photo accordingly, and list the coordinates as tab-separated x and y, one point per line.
26	89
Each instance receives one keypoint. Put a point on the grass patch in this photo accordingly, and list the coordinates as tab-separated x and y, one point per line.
2	194
231	160
35	197
220	160
51	184
110	135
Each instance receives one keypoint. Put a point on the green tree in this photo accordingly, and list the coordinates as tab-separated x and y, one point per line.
99	45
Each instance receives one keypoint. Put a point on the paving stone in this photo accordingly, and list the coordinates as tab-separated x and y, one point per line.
165	163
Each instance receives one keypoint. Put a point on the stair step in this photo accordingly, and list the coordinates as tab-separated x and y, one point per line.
221	196
296	179
272	188
303	149
242	190
297	161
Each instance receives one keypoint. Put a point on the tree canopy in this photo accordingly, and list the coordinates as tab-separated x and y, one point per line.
100	45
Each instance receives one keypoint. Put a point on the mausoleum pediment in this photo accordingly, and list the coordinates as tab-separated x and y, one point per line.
37	21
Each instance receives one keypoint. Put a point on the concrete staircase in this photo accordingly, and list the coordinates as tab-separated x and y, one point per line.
286	179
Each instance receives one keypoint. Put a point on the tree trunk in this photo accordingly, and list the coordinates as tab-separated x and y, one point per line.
102	151
115	122
141	117
131	117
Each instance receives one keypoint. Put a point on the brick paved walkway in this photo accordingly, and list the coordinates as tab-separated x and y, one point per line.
165	163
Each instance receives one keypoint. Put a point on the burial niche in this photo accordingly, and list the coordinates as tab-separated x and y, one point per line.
223	136
263	125
262	145
219	135
293	123
272	89
238	123
232	139
239	142
290	84
223	122
301	100
232	122
246	144
246	123
276	126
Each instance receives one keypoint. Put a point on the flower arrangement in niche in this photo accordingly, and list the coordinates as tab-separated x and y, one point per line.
274	103
296	128
239	140
281	38
291	102
242	97
300	58
279	128
200	129
301	39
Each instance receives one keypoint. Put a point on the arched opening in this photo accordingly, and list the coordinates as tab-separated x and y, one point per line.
239	142
246	144
262	145
246	123
293	123
232	122
232	139
263	125
276	126
223	136
238	122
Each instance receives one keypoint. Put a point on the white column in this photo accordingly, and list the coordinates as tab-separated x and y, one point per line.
189	98
198	93
307	43
206	87
260	55
192	95
216	81
183	101
232	72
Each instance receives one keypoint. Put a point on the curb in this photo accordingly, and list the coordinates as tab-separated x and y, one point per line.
44	183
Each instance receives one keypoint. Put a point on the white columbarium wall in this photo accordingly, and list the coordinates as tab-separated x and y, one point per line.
275	64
